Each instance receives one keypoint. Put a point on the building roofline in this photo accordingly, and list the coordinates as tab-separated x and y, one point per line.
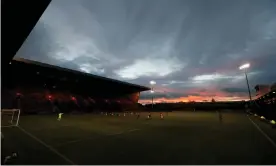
27	61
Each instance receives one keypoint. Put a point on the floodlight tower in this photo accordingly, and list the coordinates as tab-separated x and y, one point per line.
152	83
245	67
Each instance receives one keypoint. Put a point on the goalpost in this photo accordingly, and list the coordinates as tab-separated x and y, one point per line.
10	117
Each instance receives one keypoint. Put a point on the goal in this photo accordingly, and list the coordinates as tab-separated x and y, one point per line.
10	117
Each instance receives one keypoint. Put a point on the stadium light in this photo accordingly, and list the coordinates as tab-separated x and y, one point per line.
245	67
152	83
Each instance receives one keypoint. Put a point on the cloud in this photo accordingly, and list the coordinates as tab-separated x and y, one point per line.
150	67
184	46
210	77
244	90
162	95
88	68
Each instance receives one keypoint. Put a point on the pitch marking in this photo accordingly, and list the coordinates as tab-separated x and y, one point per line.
7	126
91	138
47	146
263	133
133	130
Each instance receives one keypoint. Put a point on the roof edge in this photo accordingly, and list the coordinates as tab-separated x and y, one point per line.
27	61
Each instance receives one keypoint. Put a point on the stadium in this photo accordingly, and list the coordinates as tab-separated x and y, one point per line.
103	123
33	82
265	102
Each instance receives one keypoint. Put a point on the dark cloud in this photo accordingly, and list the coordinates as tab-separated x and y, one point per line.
181	44
233	90
149	95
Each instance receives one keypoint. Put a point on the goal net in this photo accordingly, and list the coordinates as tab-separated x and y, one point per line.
10	117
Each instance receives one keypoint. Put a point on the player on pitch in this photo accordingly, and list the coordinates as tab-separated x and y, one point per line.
138	115
161	116
149	116
56	109
59	116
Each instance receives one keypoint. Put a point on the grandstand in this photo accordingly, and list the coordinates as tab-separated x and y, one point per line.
35	87
265	103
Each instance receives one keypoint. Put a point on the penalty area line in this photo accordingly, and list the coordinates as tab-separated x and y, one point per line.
7	126
97	137
75	141
123	132
133	130
47	146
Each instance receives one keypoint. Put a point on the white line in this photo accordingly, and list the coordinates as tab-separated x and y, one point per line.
48	146
74	141
133	130
7	126
122	132
53	127
90	138
264	134
85	139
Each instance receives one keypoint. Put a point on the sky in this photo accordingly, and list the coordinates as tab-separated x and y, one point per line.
191	48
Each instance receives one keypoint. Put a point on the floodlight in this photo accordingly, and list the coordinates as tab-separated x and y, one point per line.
152	82
244	66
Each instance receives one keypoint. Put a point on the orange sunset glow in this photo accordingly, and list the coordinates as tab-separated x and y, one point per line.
192	98
199	95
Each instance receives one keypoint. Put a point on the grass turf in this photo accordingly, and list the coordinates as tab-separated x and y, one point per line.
181	138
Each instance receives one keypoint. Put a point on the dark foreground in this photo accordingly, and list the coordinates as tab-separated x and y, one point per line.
181	138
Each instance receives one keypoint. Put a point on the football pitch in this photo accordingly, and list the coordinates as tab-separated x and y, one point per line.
180	138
